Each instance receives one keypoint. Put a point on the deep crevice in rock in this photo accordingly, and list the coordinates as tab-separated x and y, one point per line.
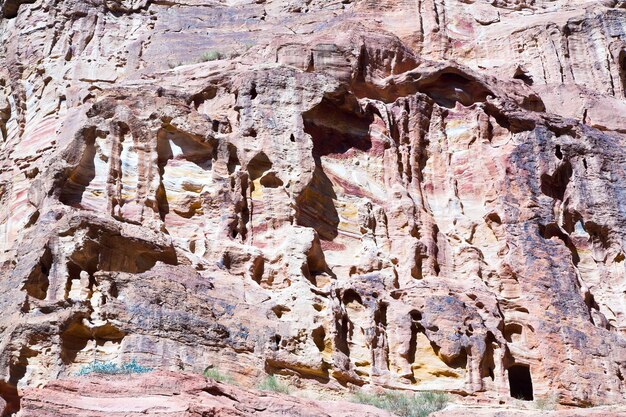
622	69
487	364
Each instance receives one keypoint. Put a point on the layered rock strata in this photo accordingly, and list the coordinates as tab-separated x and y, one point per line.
172	394
411	195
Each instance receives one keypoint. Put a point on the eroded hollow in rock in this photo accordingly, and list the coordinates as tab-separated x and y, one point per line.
9	393
38	282
555	185
316	269
79	343
337	128
17	370
553	230
174	144
319	338
522	75
513	332
258	166
488	364
184	164
449	88
315	206
520	382
11	7
80	178
111	252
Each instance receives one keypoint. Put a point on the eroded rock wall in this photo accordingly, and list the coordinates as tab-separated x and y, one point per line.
411	195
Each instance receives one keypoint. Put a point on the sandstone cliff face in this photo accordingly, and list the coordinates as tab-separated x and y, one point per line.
411	195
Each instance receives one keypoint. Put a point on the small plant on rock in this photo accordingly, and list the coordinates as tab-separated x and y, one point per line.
215	374
405	404
546	403
211	56
272	384
111	368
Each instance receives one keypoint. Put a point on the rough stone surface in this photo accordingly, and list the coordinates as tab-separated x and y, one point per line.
616	411
175	394
172	394
416	195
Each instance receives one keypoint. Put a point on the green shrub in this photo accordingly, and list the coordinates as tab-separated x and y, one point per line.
110	368
211	56
215	374
272	384
405	404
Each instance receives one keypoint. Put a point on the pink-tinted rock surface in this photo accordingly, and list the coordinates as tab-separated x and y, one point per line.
173	395
413	195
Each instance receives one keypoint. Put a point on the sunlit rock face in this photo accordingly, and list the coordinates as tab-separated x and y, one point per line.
174	394
411	195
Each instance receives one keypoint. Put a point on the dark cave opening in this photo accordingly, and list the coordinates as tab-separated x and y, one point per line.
555	185
520	382
622	70
449	88
522	75
335	128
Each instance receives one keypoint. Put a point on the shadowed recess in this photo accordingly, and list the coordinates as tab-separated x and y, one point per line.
336	129
38	281
520	382
315	206
80	178
448	89
554	185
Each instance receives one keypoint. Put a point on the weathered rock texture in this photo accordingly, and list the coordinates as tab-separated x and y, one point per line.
407	194
169	394
175	394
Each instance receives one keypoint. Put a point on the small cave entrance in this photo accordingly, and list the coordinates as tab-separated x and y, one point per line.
520	382
335	128
555	185
449	88
38	281
521	74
